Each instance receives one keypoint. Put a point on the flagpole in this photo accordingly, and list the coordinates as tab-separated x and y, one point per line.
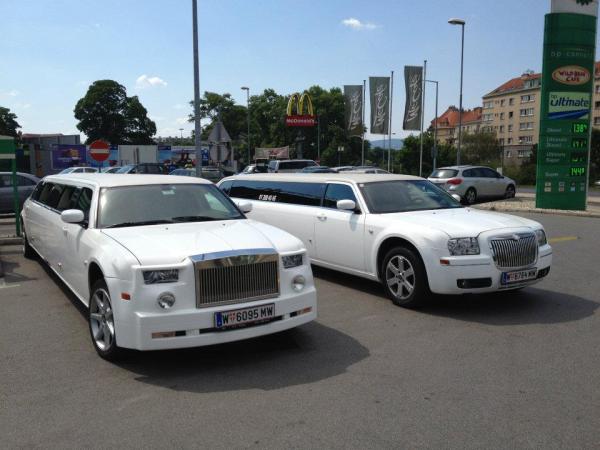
363	122
390	124
422	116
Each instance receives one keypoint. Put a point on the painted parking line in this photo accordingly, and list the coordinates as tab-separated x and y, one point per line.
562	239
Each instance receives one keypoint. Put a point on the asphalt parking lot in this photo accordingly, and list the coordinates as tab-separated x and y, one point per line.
509	370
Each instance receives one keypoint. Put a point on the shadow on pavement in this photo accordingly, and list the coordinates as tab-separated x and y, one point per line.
299	356
531	305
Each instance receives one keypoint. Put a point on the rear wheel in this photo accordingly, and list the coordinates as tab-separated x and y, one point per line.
102	324
404	277
510	191
470	196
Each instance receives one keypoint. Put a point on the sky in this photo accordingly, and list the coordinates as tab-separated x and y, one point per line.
52	50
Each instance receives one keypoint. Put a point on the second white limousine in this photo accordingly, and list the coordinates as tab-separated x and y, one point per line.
401	230
166	261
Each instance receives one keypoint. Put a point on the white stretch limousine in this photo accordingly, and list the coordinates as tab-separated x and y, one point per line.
166	262
402	230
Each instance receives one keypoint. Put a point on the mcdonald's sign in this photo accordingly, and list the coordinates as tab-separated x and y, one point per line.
295	116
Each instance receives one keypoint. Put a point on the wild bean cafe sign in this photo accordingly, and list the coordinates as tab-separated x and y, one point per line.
566	101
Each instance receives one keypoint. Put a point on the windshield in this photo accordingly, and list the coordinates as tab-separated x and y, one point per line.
444	173
125	169
406	195
126	206
68	170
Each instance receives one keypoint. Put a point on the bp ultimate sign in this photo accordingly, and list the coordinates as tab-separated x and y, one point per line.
567	85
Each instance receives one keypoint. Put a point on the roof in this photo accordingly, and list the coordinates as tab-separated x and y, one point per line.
113	179
450	117
324	177
515	84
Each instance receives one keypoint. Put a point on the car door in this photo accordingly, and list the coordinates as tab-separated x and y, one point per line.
25	187
339	234
481	182
6	193
76	247
496	182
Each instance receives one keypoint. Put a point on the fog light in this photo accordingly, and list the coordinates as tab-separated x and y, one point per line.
298	283
166	300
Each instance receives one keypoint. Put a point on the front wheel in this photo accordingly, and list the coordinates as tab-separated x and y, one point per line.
28	251
102	323
470	196
510	192
404	277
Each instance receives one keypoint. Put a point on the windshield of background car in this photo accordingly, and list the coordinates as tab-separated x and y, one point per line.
405	195
164	203
444	173
125	169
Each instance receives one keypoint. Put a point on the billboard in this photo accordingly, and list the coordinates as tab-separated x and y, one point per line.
68	155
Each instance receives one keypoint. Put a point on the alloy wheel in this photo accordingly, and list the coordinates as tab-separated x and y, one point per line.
101	320
400	277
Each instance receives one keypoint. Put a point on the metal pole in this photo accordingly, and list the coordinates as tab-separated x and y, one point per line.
197	131
435	126
319	138
462	52
363	121
422	116
248	110
390	124
16	203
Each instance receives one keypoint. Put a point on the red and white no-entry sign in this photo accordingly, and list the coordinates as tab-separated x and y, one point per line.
99	150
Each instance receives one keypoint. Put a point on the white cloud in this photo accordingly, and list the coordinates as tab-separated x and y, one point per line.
144	81
356	24
181	120
179	106
11	93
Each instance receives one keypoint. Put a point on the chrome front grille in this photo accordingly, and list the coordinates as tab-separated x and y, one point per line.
514	251
233	277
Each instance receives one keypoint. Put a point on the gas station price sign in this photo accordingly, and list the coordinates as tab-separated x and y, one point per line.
566	102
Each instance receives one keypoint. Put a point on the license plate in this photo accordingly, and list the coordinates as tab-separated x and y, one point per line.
518	276
236	317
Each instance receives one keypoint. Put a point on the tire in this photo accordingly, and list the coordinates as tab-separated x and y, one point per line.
470	196
28	251
101	322
510	191
404	278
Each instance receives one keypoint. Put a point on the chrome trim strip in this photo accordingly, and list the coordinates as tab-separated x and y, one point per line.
229	253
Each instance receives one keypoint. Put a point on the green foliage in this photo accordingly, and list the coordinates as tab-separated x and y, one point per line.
481	149
105	112
525	173
406	161
8	123
595	156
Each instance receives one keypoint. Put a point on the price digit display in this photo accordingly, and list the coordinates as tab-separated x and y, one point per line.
577	171
578	158
579	143
580	128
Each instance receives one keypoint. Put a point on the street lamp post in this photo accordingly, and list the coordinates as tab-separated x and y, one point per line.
197	130
181	131
247	89
434	156
460	22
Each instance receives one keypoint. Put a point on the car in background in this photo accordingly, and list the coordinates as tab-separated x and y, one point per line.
343	168
289	165
597	183
473	183
145	168
213	174
366	169
78	170
25	185
163	262
317	169
113	169
255	168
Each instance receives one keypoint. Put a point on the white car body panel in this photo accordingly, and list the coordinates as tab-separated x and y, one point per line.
123	254
350	243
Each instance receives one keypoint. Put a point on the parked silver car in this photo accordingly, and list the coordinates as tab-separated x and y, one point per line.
25	185
210	173
289	165
77	169
473	182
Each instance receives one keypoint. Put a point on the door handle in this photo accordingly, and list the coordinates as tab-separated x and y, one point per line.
322	217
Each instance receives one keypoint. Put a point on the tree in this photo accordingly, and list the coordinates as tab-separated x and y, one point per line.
595	156
480	148
8	123
406	161
105	112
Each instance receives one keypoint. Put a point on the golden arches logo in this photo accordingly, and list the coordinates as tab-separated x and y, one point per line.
300	118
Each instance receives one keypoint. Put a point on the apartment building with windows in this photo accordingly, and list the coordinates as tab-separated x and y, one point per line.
447	124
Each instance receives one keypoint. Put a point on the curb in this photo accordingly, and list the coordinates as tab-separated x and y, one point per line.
10	240
555	212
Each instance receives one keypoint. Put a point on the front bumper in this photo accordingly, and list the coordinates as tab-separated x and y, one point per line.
479	270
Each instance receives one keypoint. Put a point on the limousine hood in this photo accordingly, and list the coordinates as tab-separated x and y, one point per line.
172	243
461	222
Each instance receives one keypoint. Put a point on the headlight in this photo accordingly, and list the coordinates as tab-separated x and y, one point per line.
290	261
463	246
160	276
166	300
541	237
298	283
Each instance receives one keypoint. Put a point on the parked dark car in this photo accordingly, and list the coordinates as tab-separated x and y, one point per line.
145	168
213	174
25	185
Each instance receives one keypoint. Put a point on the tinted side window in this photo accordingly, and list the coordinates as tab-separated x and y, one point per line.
281	192
337	192
54	195
35	195
489	173
67	198
45	192
226	186
468	173
84	201
476	172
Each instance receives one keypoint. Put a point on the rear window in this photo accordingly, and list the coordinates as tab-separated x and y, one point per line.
444	173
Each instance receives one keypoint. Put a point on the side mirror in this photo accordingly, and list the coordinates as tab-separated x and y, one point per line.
456	197
245	207
72	216
346	205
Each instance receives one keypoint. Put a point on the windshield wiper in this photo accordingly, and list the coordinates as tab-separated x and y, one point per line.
137	224
198	218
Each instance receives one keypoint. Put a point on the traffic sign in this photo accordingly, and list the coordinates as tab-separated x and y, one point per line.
99	150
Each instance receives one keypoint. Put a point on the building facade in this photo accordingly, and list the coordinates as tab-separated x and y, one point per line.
447	124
